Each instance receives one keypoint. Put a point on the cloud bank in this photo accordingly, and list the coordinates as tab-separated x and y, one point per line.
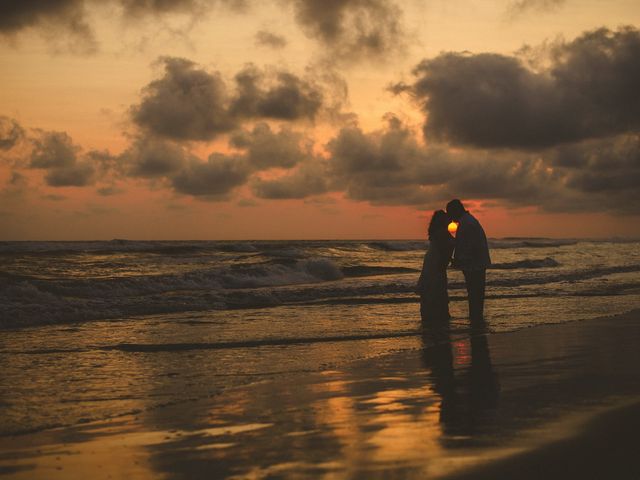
352	29
562	134
189	103
55	153
493	101
345	29
10	133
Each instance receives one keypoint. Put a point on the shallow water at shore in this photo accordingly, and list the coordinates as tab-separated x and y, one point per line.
95	330
437	410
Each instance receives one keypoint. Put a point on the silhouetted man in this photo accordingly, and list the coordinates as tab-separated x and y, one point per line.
472	257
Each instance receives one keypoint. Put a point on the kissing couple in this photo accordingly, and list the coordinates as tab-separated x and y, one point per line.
470	253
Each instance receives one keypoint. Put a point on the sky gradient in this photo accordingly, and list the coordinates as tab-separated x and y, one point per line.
302	119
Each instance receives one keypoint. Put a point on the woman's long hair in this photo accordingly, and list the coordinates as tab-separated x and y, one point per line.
439	221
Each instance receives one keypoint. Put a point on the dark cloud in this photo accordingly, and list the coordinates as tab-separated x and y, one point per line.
167	163
588	90
308	179
606	172
187	103
148	157
386	166
69	17
78	175
50	17
16	15
15	188
213	179
266	148
279	95
10	133
270	39
53	149
56	153
352	29
139	8
389	167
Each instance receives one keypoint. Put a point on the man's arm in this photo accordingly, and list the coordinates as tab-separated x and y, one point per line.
463	254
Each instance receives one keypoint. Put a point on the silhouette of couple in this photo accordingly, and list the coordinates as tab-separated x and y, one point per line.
470	254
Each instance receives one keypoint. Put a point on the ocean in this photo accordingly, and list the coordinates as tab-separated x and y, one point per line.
95	330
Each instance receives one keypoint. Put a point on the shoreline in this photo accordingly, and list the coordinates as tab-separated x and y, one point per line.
479	405
604	445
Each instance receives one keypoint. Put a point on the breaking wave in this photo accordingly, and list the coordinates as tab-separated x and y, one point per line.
516	242
527	263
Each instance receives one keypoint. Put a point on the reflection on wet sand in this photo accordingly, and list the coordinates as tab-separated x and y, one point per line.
470	391
421	414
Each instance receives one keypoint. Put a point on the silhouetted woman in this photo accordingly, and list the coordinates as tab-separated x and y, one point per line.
432	284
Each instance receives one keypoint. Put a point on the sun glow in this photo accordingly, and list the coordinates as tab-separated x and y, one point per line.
453	228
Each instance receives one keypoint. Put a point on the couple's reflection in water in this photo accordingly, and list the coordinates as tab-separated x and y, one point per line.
463	375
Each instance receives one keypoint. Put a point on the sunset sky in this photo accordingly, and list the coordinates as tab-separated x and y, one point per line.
302	119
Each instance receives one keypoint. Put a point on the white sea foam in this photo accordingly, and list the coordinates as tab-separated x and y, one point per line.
53	282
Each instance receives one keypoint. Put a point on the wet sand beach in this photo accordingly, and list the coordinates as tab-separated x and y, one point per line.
553	401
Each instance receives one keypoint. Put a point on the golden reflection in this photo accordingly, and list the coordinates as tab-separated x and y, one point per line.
117	453
407	437
378	420
464	379
462	356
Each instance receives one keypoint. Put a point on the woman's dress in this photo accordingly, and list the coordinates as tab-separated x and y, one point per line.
432	284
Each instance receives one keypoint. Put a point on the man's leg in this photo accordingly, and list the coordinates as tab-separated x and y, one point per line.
475	281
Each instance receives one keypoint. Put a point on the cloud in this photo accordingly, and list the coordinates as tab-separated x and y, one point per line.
385	166
148	157
187	103
17	15
352	29
520	7
10	133
266	148
307	180
588	90
15	188
605	172
53	149
68	20
390	167
212	180
140	8
77	175
277	95
169	164
56	153
50	17
269	39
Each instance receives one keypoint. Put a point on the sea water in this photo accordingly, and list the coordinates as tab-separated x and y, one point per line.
92	330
